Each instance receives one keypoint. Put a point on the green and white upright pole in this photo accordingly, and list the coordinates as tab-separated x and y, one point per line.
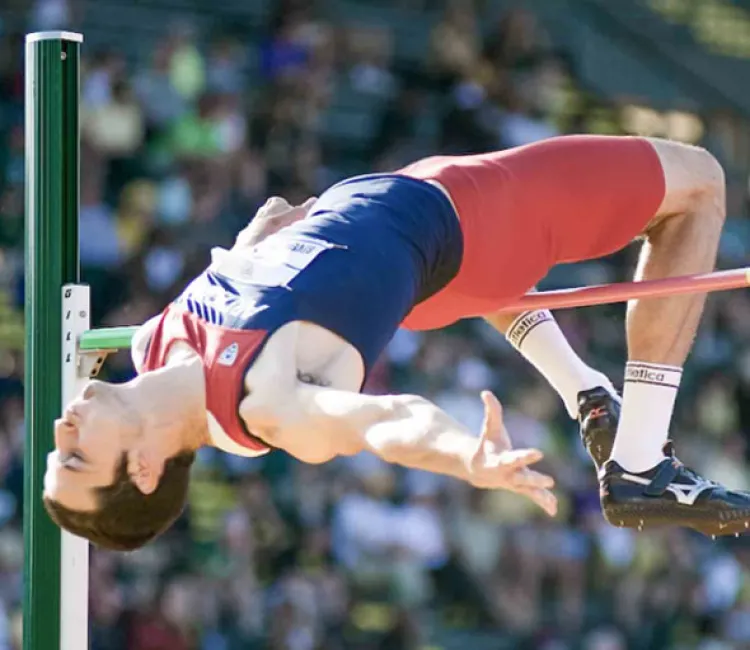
55	606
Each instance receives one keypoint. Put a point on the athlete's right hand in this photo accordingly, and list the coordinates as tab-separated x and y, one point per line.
496	465
276	213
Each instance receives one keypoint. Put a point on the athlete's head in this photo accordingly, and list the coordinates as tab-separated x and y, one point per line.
116	478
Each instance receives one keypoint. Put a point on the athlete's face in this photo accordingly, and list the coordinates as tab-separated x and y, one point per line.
90	439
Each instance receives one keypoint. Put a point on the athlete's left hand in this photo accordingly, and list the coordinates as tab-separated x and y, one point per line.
276	213
497	465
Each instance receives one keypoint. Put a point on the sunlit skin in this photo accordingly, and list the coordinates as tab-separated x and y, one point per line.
107	420
84	459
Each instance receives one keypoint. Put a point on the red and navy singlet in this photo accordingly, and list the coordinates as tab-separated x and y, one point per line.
372	247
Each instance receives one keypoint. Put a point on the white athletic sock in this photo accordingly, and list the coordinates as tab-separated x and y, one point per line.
647	404
538	337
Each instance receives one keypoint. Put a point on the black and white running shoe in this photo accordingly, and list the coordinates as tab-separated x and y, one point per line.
598	415
671	494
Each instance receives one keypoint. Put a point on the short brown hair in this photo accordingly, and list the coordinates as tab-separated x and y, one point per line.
127	519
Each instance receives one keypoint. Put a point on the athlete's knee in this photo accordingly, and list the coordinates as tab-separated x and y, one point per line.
695	184
709	199
710	177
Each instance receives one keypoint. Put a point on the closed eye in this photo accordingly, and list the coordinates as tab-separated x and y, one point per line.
75	465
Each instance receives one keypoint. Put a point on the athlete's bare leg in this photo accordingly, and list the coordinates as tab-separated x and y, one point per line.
682	239
643	484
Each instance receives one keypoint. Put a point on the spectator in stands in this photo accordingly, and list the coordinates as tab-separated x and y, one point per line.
162	103
455	44
105	70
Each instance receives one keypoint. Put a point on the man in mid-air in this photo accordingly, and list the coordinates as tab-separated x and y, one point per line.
269	347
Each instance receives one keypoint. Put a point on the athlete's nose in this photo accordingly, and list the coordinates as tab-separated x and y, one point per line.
66	436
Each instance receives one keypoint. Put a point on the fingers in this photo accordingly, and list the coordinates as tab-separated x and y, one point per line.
516	459
493	410
276	204
514	474
493	429
543	498
517	462
531	479
287	219
309	204
284	214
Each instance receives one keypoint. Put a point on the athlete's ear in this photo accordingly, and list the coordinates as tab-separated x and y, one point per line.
145	467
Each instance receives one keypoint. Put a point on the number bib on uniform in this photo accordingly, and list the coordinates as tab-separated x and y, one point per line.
274	262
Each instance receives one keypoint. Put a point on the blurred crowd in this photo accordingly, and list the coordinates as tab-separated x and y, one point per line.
180	146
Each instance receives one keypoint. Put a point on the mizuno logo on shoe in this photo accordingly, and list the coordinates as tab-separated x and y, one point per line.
686	495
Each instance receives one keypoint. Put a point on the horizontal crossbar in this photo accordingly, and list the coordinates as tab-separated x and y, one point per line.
115	338
623	291
108	338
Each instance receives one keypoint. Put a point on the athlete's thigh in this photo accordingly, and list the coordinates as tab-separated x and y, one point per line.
592	195
560	200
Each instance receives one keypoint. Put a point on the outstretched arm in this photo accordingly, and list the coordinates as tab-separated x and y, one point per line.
412	431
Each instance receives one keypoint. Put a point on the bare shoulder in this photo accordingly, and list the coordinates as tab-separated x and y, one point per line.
689	172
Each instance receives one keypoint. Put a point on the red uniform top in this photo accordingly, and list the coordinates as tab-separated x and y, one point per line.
226	354
524	210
